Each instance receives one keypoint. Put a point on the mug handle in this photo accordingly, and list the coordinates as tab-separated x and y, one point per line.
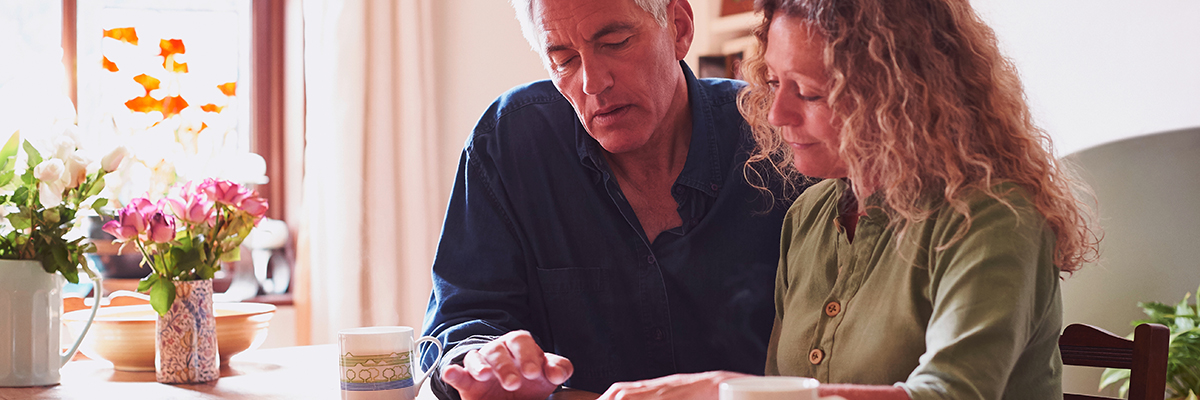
96	289
431	339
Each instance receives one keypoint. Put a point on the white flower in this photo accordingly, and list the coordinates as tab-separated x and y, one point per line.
76	172
64	146
50	170
50	194
72	132
113	160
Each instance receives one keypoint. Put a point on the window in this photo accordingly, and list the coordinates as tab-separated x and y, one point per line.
222	44
171	81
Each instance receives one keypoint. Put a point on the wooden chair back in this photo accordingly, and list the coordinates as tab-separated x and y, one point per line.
1145	356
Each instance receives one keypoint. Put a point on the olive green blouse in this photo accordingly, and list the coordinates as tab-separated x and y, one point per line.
978	318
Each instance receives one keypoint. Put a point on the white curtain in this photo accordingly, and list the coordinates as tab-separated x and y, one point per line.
372	213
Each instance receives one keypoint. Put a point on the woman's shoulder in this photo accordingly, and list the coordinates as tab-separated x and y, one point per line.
818	195
1004	195
1005	207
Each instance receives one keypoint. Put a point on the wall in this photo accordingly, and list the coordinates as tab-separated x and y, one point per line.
1097	71
480	55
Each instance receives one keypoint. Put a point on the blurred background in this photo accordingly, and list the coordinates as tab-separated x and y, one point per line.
349	115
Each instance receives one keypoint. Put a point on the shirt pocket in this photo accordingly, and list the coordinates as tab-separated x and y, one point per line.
591	320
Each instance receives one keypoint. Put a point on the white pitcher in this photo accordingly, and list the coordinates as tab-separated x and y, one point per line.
30	313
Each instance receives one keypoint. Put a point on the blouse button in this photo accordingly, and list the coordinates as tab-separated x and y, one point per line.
815	356
833	308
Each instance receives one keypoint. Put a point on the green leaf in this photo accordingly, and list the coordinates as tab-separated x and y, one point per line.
99	203
232	255
1183	308
19	221
1112	376
95	189
1184	314
69	270
20	197
6	177
10	150
52	216
205	271
35	158
162	295
146	283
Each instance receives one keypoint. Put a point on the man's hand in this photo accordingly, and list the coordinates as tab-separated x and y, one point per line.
510	367
700	386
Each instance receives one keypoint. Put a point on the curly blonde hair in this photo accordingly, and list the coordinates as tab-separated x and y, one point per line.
927	107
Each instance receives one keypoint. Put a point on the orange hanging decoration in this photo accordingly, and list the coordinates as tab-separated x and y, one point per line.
144	104
170	47
147	81
109	65
229	88
127	35
172	105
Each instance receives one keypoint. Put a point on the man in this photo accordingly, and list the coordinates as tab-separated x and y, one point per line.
601	228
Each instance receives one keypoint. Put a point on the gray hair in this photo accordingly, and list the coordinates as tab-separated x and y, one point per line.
524	8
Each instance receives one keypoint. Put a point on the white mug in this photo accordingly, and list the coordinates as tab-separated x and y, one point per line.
379	362
771	388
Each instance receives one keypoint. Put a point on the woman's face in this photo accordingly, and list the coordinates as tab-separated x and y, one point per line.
796	74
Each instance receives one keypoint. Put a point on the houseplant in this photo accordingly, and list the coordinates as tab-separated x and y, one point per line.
1183	357
183	238
39	203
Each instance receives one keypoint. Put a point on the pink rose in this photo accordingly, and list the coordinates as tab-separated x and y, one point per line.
223	191
143	206
127	225
161	228
255	205
191	206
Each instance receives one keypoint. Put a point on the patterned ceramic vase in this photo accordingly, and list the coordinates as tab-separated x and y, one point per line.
185	345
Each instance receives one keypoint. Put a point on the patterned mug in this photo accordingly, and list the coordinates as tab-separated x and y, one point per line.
379	362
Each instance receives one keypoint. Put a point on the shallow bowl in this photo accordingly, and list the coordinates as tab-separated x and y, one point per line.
124	335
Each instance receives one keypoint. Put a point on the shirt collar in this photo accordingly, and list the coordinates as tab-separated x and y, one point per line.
701	171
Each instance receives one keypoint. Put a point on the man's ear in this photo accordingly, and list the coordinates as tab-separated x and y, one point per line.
682	25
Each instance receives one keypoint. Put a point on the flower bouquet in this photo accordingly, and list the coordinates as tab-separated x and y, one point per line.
184	238
39	203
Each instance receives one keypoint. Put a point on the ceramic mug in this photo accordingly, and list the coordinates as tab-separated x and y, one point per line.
771	388
379	362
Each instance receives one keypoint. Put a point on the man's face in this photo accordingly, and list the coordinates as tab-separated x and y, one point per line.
615	64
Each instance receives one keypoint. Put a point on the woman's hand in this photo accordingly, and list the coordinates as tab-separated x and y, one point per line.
699	386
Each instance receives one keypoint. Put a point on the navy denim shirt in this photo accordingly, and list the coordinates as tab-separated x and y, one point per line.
538	236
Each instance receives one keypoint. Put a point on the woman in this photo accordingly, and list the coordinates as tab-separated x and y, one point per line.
926	265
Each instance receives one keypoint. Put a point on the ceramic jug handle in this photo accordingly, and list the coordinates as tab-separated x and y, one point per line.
97	288
431	339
